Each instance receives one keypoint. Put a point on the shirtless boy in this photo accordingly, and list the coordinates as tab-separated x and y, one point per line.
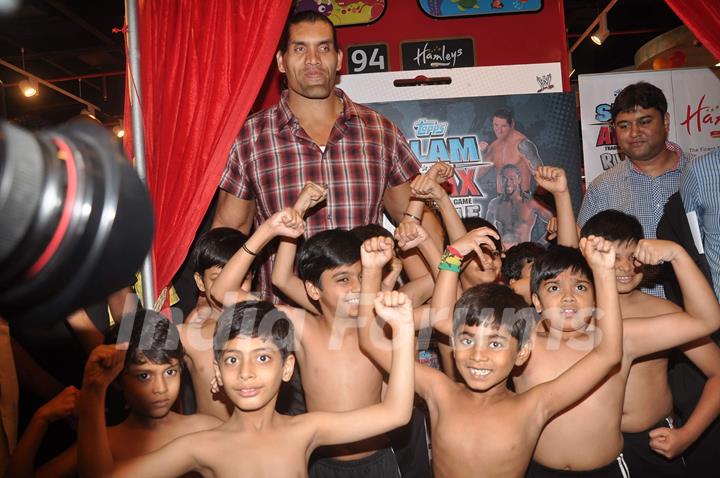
253	343
480	427
653	445
587	437
336	375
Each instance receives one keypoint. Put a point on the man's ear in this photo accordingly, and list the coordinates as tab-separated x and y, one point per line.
666	122
536	303
312	290
288	368
339	62
279	61
523	354
199	282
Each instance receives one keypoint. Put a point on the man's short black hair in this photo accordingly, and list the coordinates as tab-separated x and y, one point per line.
518	256
506	114
215	248
495	305
327	250
307	16
554	262
150	336
642	94
614	226
254	319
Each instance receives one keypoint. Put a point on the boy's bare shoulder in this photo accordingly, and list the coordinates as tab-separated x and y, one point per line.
199	422
646	305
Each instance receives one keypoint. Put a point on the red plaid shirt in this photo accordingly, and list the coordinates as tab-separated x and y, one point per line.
273	157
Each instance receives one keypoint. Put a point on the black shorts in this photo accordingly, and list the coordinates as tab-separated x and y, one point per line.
615	469
381	464
643	462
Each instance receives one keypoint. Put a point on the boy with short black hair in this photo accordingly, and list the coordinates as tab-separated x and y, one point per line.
253	344
150	381
517	266
653	443
211	252
480	426
586	438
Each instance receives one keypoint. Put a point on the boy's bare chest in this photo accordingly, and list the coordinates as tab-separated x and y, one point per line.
497	438
336	375
258	455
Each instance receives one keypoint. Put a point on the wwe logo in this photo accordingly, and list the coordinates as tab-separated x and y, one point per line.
545	82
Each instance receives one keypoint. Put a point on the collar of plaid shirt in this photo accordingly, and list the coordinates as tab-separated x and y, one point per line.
285	115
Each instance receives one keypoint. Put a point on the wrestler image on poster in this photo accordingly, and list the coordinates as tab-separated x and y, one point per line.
514	212
511	147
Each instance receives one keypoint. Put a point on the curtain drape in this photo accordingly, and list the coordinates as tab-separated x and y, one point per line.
702	17
202	65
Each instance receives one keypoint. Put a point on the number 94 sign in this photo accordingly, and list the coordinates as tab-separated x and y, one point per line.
367	58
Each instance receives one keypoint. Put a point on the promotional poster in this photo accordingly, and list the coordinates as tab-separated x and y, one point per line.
493	142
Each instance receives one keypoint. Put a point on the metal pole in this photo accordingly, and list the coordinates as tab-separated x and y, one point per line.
138	132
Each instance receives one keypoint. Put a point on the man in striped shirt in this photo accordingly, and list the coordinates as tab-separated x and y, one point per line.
641	185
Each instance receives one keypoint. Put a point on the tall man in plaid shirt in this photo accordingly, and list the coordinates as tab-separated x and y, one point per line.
315	133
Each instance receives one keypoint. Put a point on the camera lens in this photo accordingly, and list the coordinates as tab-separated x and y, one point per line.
75	220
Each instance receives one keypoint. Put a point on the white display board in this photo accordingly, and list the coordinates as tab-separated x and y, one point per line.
693	96
465	82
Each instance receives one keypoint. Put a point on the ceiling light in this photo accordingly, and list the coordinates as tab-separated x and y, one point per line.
29	87
602	32
717	64
119	131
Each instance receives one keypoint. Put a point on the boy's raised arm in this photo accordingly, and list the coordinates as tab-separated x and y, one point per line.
22	461
428	186
374	254
283	223
554	181
650	335
395	410
283	274
577	381
103	365
445	293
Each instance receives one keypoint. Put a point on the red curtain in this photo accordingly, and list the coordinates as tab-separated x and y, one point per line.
702	17
202	65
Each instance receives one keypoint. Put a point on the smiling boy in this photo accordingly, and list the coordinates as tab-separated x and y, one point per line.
654	443
480	427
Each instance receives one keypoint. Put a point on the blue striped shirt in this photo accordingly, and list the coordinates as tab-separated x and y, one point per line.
627	189
700	192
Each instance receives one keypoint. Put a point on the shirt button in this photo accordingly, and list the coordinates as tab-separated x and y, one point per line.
657	206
